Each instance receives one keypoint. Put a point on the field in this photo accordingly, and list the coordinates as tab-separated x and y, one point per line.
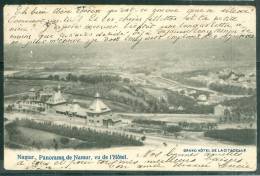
24	137
29	133
43	139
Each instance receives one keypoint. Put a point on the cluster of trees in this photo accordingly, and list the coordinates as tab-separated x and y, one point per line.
54	77
243	109
197	126
172	129
229	74
149	122
12	130
177	128
231	89
91	78
238	118
92	137
239	136
154	126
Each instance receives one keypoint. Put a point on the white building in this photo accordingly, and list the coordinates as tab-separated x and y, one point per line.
71	110
99	114
56	99
202	97
98	107
221	110
29	106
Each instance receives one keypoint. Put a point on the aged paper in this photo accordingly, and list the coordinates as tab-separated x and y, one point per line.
130	87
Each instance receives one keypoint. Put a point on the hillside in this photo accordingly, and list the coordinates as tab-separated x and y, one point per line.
161	55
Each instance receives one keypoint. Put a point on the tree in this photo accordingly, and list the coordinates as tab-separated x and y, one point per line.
56	77
68	77
143	138
50	77
9	108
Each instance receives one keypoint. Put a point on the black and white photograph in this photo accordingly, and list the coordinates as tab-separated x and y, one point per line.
116	78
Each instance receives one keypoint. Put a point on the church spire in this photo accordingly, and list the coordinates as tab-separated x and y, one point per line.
59	89
97	95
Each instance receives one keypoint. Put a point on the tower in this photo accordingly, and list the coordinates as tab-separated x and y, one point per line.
98	107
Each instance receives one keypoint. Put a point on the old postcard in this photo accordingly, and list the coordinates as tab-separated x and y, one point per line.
130	87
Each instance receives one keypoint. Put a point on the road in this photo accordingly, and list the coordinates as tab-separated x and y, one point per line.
174	83
171	118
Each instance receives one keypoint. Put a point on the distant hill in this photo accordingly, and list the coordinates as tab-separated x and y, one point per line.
162	55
